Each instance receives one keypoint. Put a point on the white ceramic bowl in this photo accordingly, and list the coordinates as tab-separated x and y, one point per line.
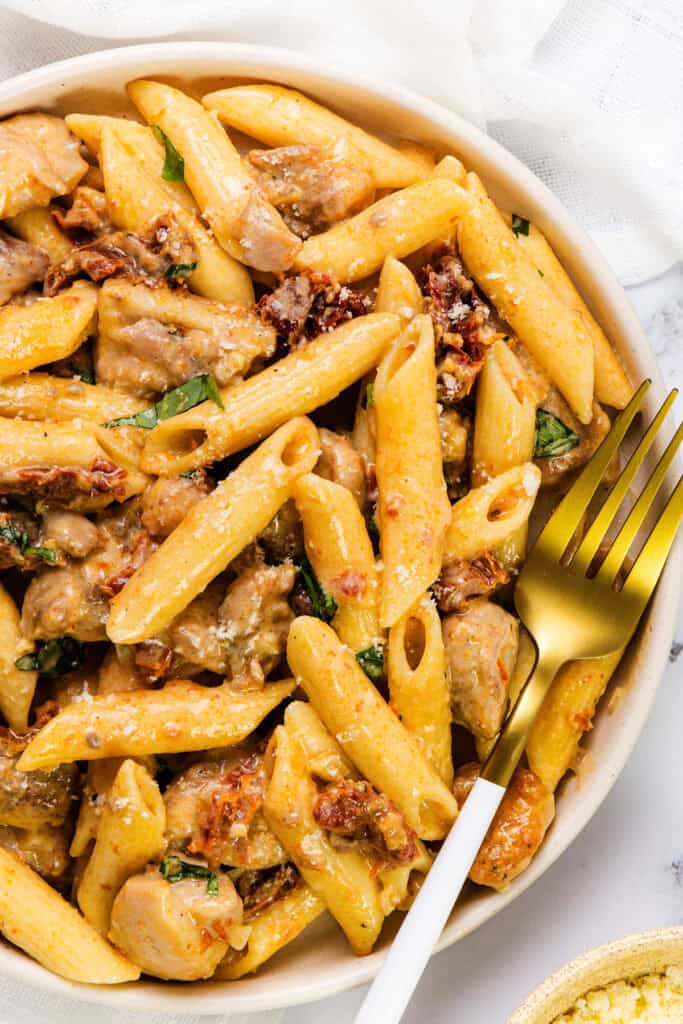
646	953
319	963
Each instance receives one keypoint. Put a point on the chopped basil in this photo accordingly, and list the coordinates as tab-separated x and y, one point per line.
177	270
371	660
174	165
540	272
174	869
323	604
19	539
180	399
53	657
520	225
553	437
369	395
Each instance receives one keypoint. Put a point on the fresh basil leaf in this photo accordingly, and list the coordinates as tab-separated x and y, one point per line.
180	399
540	272
47	554
323	604
174	165
369	395
553	437
177	270
520	225
371	660
173	869
53	657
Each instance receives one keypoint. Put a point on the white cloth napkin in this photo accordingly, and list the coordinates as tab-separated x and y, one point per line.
588	93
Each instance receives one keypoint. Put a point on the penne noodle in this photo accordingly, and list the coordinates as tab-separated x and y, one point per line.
555	335
136	202
16	687
130	834
243	221
37	919
50	329
612	386
567	713
270	930
39	227
398	291
488	515
214	531
182	716
339	549
305	379
419	154
100	778
367	729
452	169
418	690
41	396
413	508
395	226
325	759
285	117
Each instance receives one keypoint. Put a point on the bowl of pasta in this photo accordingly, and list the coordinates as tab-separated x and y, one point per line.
287	360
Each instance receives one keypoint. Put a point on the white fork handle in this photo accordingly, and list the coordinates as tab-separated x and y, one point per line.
407	958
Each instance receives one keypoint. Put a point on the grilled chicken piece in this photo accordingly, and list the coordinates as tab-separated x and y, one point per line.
21	265
70	532
176	930
254	620
213	809
154	339
34	799
44	849
311	187
167	501
518	828
481	650
39	159
340	462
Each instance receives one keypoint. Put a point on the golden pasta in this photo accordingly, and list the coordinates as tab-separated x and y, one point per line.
50	329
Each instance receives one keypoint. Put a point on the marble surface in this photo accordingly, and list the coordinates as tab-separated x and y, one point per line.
624	873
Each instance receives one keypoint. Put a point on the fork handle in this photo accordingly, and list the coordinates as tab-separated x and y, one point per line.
406	960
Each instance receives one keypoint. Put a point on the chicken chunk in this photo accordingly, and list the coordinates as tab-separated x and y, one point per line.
167	501
555	469
311	187
154	339
305	305
39	159
462	580
195	636
214	809
254	620
34	799
481	649
354	810
21	265
340	462
518	828
44	849
176	930
70	532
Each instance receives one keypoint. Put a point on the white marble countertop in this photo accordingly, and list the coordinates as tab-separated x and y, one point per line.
624	873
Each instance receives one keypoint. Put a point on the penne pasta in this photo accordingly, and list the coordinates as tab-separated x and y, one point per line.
339	549
285	117
555	335
16	687
42	396
395	226
413	508
100	778
418	691
270	930
566	715
39	227
50	329
37	919
182	716
213	533
217	275
130	834
243	221
367	729
297	384
398	291
488	515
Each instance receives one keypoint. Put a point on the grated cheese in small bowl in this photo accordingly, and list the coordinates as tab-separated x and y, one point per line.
650	999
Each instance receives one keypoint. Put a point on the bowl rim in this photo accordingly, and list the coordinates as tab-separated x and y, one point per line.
271	63
607	963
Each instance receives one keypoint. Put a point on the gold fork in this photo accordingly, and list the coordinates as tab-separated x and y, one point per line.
572	612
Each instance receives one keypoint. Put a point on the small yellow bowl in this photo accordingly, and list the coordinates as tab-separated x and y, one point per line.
645	953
